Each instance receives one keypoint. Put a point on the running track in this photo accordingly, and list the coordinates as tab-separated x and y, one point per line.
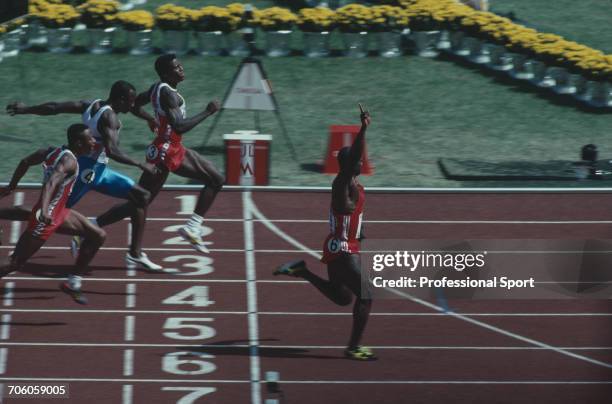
210	329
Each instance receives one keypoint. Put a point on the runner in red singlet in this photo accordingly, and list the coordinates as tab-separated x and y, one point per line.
341	247
50	213
167	151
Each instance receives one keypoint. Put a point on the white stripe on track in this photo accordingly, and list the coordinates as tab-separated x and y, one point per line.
130	322
128	362
9	293
295	243
130	297
127	394
5	329
251	276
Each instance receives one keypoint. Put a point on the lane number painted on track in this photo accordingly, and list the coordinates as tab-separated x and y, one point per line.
201	264
178	240
171	363
202	331
196	392
196	296
188	204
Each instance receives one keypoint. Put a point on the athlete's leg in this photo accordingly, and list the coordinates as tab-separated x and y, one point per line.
196	167
78	225
27	246
333	288
16	213
347	270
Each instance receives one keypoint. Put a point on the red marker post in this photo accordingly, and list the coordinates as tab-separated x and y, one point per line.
342	136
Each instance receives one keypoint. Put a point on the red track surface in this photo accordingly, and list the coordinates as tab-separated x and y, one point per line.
119	348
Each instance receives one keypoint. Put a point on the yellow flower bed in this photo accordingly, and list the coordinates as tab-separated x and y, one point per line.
275	19
354	18
316	19
213	18
389	18
137	20
552	49
58	16
99	13
171	17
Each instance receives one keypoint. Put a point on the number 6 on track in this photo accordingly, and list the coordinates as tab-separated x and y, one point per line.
172	364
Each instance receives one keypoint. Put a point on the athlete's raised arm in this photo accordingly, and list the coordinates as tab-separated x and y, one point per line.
170	103
48	108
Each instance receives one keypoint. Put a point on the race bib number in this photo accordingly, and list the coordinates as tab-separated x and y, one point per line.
88	176
334	245
152	152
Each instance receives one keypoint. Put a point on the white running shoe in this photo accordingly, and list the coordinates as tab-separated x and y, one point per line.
75	245
143	262
193	238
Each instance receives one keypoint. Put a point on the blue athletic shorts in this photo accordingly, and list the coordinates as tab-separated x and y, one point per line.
98	177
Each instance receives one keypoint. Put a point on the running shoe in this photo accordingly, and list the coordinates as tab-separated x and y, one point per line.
142	262
360	353
292	268
76	294
194	238
75	245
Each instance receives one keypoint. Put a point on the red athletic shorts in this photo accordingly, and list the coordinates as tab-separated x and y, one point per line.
169	154
334	248
44	231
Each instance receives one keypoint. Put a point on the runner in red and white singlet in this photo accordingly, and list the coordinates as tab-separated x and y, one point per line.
345	230
167	148
50	213
57	209
167	151
341	247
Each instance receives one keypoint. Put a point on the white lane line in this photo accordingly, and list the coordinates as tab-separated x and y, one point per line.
128	393
130	297
398	221
9	288
123	380
295	243
290	313
249	246
302	347
129	233
5	329
130	322
3	359
128	362
16	226
356	382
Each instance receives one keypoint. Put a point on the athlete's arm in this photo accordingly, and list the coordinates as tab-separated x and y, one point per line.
170	103
108	127
33	159
341	196
357	146
66	167
48	108
141	100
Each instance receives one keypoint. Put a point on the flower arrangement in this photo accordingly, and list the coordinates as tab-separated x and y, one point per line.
36	6
354	18
137	20
275	19
58	16
174	18
318	19
99	13
213	18
11	25
389	18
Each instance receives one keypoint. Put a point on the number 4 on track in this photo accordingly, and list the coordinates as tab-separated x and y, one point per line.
195	296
